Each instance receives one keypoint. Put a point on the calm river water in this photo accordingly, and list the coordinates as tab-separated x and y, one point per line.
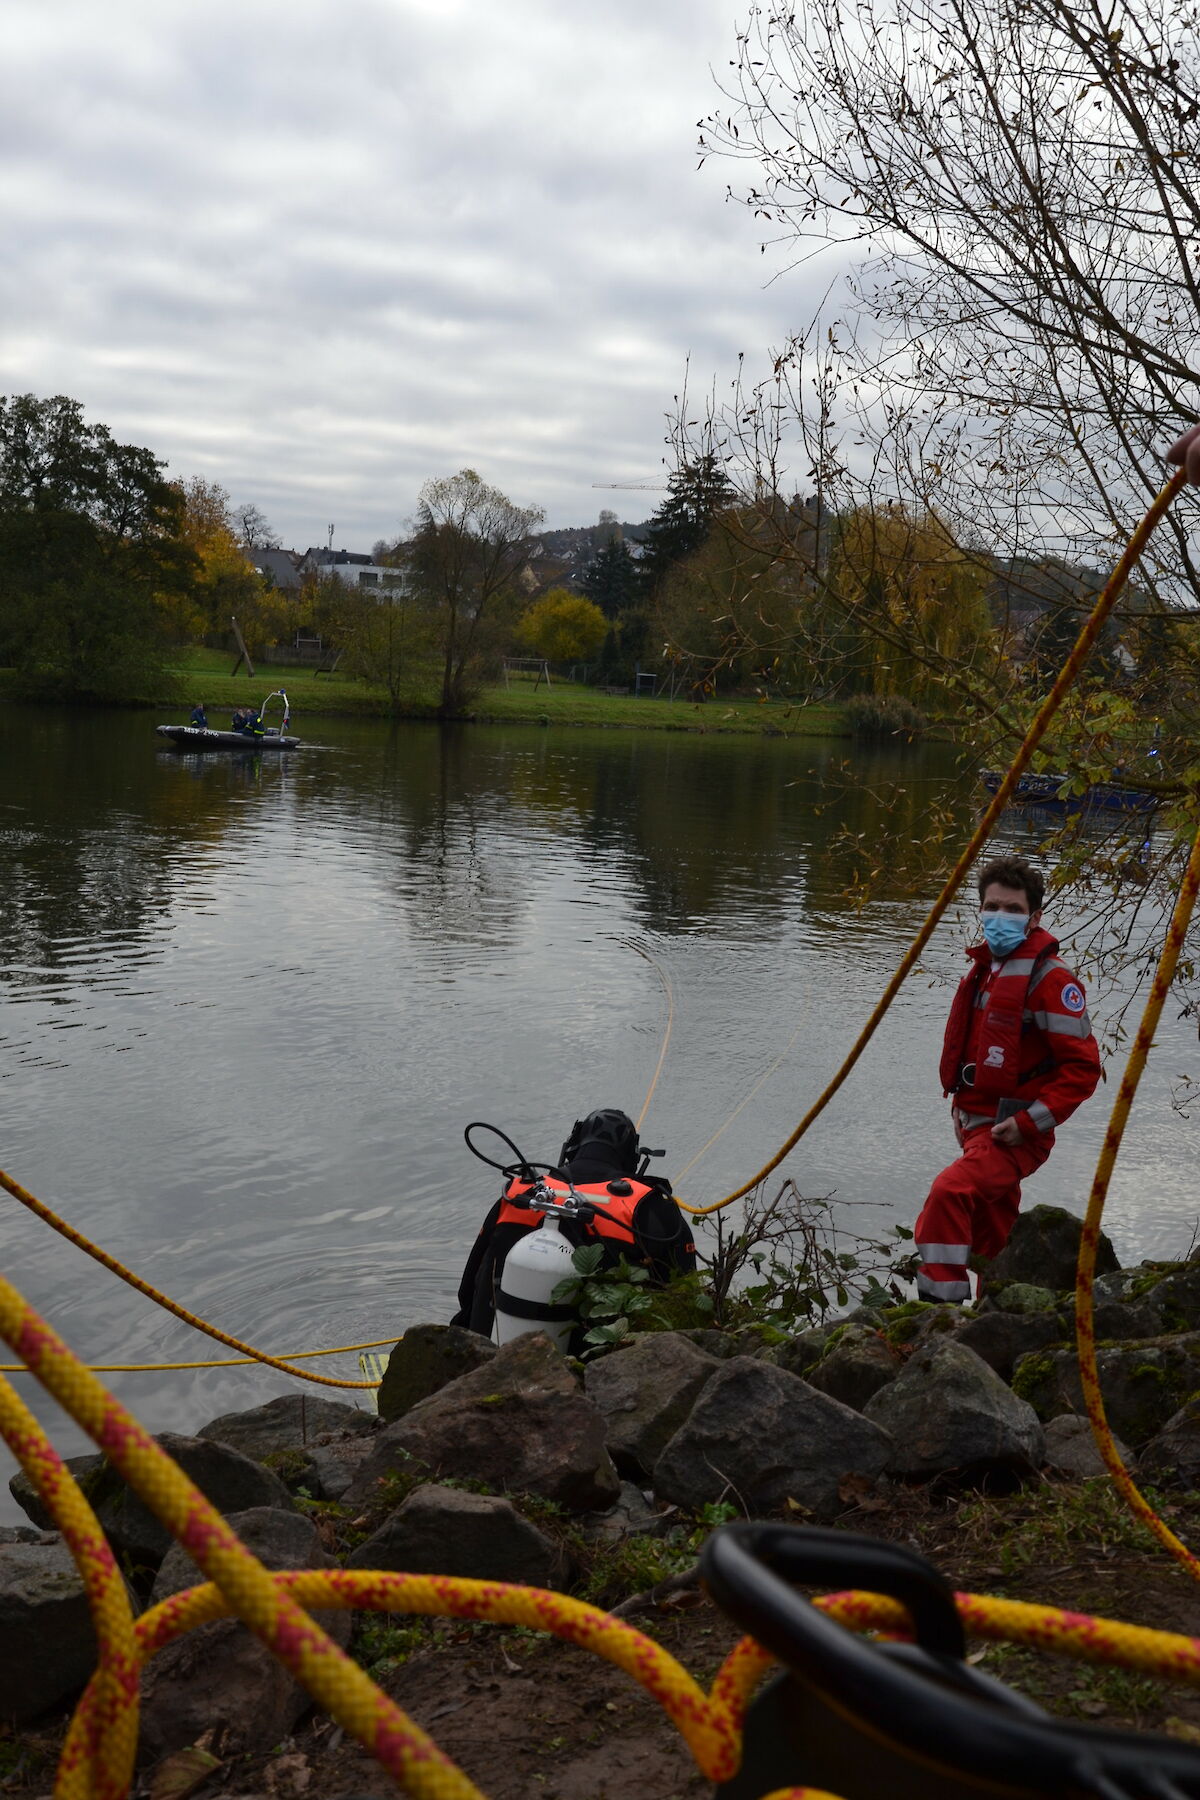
250	1004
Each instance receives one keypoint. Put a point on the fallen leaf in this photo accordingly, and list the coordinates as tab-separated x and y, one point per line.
181	1774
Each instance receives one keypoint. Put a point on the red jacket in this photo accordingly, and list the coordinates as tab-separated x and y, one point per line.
1020	1032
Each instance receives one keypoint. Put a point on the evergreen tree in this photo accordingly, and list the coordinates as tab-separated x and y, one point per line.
698	492
610	580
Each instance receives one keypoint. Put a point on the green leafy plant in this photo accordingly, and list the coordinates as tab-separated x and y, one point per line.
787	1266
381	1644
607	1300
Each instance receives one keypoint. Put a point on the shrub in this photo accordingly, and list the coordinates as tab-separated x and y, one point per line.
885	716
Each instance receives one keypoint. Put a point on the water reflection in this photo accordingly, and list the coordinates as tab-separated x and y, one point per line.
252	1001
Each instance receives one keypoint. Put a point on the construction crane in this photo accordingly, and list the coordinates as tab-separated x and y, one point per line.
657	486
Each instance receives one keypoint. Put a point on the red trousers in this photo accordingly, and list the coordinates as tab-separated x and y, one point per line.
971	1208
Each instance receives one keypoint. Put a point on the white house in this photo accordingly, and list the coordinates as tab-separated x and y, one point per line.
356	571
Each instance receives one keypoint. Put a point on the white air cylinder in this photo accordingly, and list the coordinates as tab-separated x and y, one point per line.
532	1270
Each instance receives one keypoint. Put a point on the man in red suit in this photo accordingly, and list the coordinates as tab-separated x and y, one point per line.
1019	1057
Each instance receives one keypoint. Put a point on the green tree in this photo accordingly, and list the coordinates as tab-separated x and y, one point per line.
386	635
469	546
90	541
563	627
699	491
727	615
611	579
904	601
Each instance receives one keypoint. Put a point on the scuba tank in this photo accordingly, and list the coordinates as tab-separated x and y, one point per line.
532	1270
509	1293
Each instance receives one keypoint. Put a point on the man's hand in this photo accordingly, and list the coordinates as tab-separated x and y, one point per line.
1186	452
1007	1132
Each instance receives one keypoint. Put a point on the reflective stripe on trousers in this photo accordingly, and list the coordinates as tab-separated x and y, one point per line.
971	1207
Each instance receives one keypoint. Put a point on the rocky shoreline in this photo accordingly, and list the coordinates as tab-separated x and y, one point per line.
516	1465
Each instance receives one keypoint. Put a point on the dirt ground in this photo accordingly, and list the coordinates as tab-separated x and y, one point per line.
524	1715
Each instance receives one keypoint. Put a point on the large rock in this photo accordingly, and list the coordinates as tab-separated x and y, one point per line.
761	1437
632	1516
1002	1338
443	1531
797	1355
1120	1319
1043	1249
1021	1297
521	1424
47	1646
1176	1298
1071	1448
219	1674
1173	1455
231	1481
281	1434
645	1394
1142	1384
426	1359
860	1363
333	1467
949	1412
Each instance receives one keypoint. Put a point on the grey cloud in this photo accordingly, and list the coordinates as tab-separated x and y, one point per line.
321	254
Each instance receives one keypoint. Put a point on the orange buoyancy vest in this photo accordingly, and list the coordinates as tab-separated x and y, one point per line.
612	1219
998	1052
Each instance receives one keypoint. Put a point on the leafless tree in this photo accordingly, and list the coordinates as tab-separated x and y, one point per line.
1011	190
469	545
252	527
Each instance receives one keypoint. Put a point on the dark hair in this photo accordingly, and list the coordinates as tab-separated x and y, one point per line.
1015	872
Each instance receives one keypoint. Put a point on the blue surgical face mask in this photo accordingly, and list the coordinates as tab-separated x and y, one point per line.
1004	931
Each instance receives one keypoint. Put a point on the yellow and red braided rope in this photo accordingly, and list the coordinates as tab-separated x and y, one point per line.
1085	1332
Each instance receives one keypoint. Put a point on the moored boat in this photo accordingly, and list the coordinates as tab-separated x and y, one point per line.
1044	790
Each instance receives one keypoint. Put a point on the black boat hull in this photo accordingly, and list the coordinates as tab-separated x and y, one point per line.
192	737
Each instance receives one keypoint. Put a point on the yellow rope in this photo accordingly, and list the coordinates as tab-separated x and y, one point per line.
1033	737
1085	1331
665	979
98	1756
223	1362
85	1244
275	1607
744	1102
340	1686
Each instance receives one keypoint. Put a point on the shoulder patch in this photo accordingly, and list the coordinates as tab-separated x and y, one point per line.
1072	997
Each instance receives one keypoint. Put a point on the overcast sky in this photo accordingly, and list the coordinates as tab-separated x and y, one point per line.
321	250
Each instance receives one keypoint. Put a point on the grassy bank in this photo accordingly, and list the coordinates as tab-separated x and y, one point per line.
204	675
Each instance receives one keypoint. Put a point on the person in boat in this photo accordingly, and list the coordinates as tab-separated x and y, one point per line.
251	725
199	717
1019	1057
237	719
637	1217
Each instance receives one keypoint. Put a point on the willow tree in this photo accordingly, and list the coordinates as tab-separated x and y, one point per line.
909	597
